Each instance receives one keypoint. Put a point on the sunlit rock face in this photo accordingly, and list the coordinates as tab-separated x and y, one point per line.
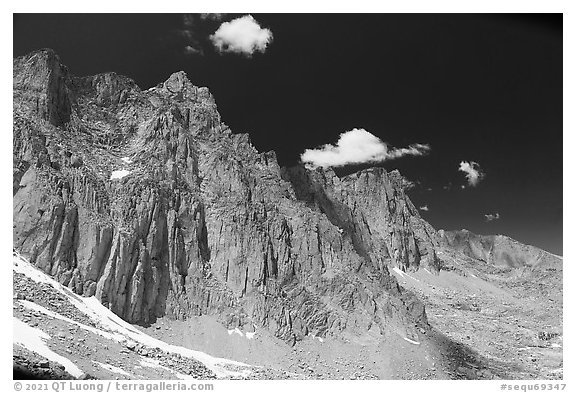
497	250
146	200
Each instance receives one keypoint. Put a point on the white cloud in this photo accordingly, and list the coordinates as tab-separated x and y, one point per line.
190	50
241	35
492	217
473	172
424	208
189	20
212	16
188	35
416	149
357	146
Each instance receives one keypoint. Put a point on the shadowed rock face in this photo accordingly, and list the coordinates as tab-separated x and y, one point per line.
201	222
371	209
43	87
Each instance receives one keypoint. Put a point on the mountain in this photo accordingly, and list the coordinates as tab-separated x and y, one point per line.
496	249
148	202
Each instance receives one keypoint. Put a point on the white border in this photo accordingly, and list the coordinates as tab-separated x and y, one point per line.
420	6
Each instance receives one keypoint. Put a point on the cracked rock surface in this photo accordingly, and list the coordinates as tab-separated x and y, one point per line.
200	222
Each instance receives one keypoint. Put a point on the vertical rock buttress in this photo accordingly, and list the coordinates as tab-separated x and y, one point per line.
201	222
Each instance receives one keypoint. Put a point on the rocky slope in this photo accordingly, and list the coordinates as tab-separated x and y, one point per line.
147	201
59	335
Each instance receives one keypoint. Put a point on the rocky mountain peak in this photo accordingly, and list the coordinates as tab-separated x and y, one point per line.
148	201
106	89
39	83
178	82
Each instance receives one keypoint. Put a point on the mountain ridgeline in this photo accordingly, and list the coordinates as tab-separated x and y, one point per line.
148	201
497	250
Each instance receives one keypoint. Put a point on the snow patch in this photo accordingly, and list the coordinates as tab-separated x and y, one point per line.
114	323
237	331
45	311
411	341
111	368
184	376
35	340
318	338
119	330
397	270
153	363
404	274
20	265
119	174
248	335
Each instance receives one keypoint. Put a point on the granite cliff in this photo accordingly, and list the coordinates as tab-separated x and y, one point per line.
148	201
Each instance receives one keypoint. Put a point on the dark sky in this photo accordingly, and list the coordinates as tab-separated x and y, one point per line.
483	88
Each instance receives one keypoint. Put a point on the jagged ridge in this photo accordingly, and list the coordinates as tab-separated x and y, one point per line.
203	223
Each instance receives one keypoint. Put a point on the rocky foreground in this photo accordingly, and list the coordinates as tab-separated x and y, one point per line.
148	203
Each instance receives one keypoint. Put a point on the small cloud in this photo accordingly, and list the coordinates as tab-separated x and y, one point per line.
357	146
473	172
492	217
241	35
429	189
407	184
416	149
424	208
212	16
447	186
189	20
188	35
190	50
